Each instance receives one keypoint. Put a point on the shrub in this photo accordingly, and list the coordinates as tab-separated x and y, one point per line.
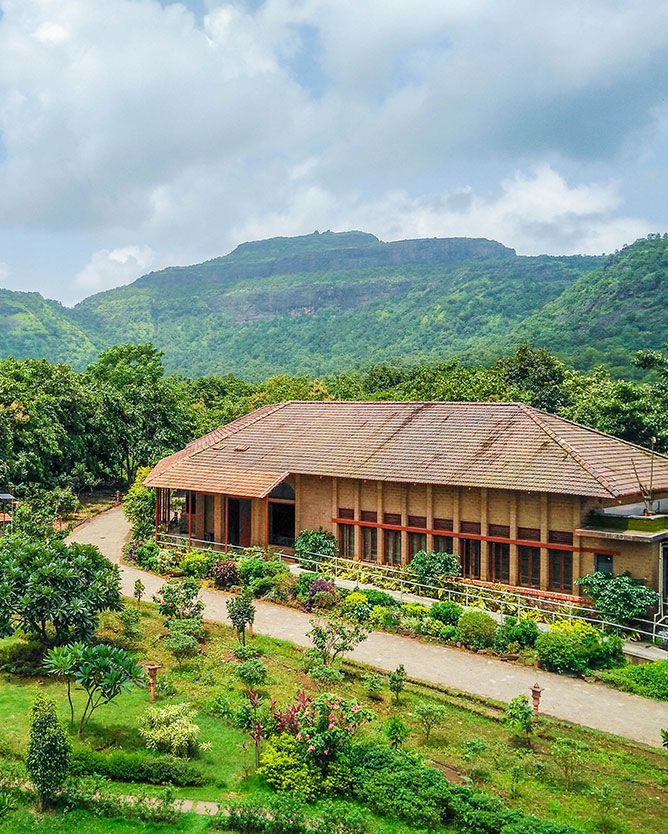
131	627
323	601
373	683
576	647
354	598
334	638
384	617
396	731
326	676
569	755
178	599
430	715
136	766
304	582
431	567
245	652
145	555
170	729
476	630
320	591
261	586
520	716
311	544
397	681
196	563
181	645
252	568
286	767
648	679
192	626
49	751
168	560
414	609
618	598
241	612
524	633
139	506
252	673
225	574
447	613
285	587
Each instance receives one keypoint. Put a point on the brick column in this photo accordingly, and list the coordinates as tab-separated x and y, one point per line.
456	517
219	518
298	504
335	507
357	493
577	542
430	517
404	523
514	555
544	528
379	516
484	530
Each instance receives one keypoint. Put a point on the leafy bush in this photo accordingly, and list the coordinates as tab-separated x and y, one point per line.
286	766
576	647
49	751
179	599
284	814
131	627
429	568
373	683
323	601
396	731
618	598
181	645
524	633
447	613
519	716
334	638
225	574
192	626
136	766
241	612
261	586
374	597
144	553
325	676
430	715
303	583
170	729
476	630
285	587
196	563
384	617
397	681
168	560
139	506
252	673
311	544
321	594
21	657
252	568
648	679
245	652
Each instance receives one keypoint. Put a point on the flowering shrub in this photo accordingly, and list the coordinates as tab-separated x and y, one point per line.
170	729
576	647
225	573
316	594
179	599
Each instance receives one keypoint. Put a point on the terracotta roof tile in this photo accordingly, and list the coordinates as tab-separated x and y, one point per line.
495	445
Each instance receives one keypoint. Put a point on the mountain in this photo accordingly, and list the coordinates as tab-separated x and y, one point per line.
328	302
333	301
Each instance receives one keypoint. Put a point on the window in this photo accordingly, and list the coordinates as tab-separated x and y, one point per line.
499	531
416	542
392	518
417	520
443	524
346	512
347	541
369	515
603	563
529	558
283	491
499	561
443	544
369	544
470	558
561	570
559	537
528	534
470	527
393	547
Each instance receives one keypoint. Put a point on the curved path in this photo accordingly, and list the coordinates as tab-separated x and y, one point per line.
630	716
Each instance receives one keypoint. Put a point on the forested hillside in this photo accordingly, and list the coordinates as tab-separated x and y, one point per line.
330	302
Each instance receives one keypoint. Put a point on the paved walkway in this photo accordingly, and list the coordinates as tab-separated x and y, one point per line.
571	699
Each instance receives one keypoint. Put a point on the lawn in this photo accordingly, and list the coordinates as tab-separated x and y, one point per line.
621	786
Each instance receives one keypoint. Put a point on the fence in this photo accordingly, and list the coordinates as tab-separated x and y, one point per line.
497	599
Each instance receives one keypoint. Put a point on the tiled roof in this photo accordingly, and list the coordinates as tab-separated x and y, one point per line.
495	445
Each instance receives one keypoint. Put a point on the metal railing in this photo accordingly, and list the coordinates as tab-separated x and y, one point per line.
497	599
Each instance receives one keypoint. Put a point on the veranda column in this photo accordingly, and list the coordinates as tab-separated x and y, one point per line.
298	504
577	542
430	517
456	521
484	530
357	499
514	555
380	536
544	533
404	523
335	507
218	518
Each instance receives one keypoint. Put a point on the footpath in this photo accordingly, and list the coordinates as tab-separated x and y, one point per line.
571	699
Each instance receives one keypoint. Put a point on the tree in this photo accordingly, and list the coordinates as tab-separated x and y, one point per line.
430	715
39	515
139	591
139	506
431	567
396	731
102	671
179	599
569	754
333	638
312	545
241	612
618	598
396	681
520	717
62	661
55	591
538	373
49	751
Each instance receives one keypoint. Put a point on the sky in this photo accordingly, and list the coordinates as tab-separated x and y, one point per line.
136	134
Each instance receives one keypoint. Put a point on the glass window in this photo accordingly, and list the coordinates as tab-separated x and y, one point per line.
416	542
529	558
470	558
499	561
369	544
603	563
393	547
561	570
347	540
443	544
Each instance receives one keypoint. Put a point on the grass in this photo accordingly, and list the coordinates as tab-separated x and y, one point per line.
619	778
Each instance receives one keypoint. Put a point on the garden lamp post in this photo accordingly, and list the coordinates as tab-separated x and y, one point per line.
535	698
152	671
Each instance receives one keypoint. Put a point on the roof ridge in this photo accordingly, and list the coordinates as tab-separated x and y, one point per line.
535	415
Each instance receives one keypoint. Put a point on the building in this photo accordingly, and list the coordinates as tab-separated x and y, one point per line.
525	498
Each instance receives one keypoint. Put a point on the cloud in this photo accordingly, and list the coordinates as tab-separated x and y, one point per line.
112	268
190	125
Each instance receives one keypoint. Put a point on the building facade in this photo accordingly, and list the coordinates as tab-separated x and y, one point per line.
525	499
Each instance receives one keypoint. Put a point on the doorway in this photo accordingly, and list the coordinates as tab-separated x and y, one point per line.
281	524
239	521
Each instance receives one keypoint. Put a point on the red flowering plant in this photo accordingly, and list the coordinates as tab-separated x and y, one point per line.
324	726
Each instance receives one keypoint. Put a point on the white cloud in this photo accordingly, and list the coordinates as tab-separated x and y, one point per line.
112	268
